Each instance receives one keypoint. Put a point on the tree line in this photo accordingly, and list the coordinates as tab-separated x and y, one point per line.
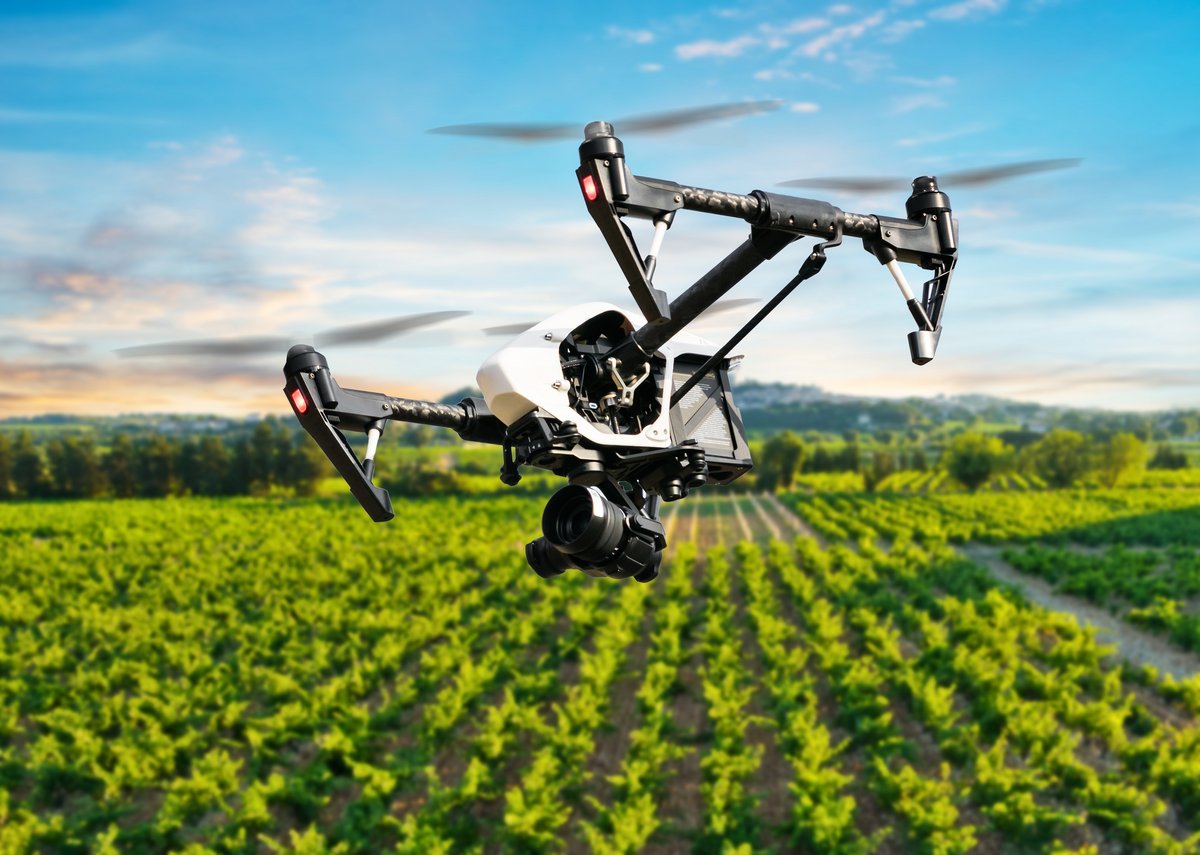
269	458
1060	458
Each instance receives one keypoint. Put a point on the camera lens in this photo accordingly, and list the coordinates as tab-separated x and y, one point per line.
579	521
573	523
545	560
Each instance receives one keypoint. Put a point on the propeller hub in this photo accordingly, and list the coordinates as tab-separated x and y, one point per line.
926	198
599	142
303	357
597	129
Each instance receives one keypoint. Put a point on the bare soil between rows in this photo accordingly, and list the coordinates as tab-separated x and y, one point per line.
1137	646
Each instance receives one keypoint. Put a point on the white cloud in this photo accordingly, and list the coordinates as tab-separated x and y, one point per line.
805	107
940	82
222	151
900	30
933	139
708	48
845	33
1190	210
633	37
71	51
21	116
967	9
650	67
919	101
1134	259
286	207
840	9
800	25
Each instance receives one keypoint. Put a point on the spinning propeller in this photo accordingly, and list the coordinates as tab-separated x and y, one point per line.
716	309
960	178
362	333
647	123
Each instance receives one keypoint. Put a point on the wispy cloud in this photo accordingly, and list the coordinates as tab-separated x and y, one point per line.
650	67
967	9
795	27
900	30
839	35
942	136
1189	210
941	82
222	151
108	387
71	51
709	48
804	107
15	115
633	37
918	101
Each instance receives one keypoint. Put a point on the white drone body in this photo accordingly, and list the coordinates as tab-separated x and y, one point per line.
526	376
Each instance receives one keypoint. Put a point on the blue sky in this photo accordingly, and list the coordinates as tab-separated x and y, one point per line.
176	171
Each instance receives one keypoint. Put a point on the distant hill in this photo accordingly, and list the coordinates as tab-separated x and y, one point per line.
766	408
769	407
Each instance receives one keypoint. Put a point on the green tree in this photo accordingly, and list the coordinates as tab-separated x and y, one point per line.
1060	458
300	463
972	458
820	461
6	454
119	468
154	467
1123	454
883	464
782	459
850	457
203	466
264	452
1165	458
29	473
75	467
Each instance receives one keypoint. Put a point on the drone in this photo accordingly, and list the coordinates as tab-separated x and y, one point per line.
629	407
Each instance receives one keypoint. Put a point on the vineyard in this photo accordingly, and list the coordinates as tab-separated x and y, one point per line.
813	672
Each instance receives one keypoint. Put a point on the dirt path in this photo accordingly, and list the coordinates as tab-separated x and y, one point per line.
793	519
1134	645
741	518
772	528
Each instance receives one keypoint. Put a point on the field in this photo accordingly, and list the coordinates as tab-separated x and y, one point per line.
812	672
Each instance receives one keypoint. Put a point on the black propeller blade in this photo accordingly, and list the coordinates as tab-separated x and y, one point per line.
728	305
510	329
958	178
715	309
650	123
364	333
377	330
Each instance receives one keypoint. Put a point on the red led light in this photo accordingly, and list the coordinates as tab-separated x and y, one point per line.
299	401
589	188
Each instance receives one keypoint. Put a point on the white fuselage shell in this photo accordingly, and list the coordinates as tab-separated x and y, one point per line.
526	375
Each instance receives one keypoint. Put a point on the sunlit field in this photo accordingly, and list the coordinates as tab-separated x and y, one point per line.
827	672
